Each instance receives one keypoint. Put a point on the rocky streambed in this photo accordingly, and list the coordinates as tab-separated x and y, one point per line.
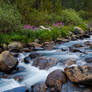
65	68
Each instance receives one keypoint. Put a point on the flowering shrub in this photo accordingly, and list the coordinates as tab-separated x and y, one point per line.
58	24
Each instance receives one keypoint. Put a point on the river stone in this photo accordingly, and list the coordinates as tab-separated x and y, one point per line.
39	87
7	61
55	80
44	62
33	55
88	59
14	45
48	45
87	43
80	74
78	45
78	31
70	62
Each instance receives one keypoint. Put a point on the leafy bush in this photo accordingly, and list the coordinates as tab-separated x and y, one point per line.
10	18
83	26
70	16
44	35
85	14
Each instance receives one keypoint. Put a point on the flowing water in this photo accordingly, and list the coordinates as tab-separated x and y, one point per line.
32	75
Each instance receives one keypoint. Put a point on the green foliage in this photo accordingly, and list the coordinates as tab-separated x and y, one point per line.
70	16
10	18
83	26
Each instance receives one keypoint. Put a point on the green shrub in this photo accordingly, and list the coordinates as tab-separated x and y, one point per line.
55	33
65	31
44	35
85	14
10	18
83	26
70	16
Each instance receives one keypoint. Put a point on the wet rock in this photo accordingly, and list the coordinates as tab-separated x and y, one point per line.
27	60
18	78
34	44
86	36
64	49
55	80
19	89
78	45
45	62
15	54
39	87
78	31
33	55
88	59
70	62
61	40
87	43
80	74
48	45
73	49
26	49
7	62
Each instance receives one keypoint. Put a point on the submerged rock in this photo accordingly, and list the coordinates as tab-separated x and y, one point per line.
44	62
88	59
7	62
80	74
55	80
39	87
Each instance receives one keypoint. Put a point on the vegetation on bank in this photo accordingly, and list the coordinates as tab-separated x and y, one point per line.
20	20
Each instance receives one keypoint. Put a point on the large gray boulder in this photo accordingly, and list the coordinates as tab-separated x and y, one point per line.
7	61
44	62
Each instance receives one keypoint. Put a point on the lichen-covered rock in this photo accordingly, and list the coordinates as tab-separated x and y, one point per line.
80	74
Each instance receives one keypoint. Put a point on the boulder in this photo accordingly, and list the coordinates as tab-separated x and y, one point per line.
78	45
87	43
7	61
44	62
88	59
15	45
48	45
70	62
33	55
61	40
73	49
39	87
80	74
78	31
55	80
